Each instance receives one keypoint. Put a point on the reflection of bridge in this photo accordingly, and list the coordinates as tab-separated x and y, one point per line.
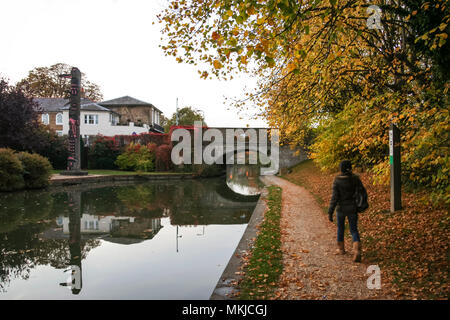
215	204
244	179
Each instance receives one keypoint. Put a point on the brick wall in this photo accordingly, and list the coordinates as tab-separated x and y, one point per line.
52	121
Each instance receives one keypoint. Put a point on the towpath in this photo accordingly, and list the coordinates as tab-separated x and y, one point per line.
311	268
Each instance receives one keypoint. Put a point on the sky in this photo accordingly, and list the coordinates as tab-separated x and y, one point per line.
116	45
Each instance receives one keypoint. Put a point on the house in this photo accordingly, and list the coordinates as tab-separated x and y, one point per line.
117	226
96	118
136	111
51	114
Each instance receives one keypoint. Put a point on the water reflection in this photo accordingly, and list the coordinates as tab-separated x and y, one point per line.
244	179
74	229
43	232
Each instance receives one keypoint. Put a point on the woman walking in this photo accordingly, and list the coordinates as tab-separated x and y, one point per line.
343	201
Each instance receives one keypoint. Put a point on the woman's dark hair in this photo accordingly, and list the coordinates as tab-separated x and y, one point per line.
345	166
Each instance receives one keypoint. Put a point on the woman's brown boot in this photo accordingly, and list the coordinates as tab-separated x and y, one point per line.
340	249
357	251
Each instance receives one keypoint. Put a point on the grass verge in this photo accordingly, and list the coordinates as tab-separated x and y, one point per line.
264	265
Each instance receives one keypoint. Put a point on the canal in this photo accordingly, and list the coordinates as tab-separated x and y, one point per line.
152	240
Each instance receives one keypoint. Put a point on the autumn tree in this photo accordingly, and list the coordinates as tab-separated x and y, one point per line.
324	67
45	82
186	117
18	118
21	130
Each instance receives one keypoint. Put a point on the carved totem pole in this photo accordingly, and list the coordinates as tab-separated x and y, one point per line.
74	159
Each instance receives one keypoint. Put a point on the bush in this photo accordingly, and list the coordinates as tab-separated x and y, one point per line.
11	171
52	147
103	154
163	160
136	158
36	170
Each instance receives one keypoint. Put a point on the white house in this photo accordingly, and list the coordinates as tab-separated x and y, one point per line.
93	224
96	120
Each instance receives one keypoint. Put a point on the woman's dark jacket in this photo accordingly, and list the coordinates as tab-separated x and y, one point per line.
344	187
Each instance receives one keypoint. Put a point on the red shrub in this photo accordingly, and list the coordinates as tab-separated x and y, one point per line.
163	157
152	147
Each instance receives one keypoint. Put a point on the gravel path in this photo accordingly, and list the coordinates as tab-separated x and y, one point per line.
311	268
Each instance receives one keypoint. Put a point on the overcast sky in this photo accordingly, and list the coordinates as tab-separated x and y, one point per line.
115	44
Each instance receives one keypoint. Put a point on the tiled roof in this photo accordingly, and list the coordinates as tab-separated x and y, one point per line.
56	104
89	107
126	101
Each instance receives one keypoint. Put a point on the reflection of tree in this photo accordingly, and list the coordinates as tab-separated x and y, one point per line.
29	235
22	245
24	248
137	198
23	207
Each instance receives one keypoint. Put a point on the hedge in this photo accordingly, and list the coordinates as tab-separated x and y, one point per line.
11	171
23	170
37	170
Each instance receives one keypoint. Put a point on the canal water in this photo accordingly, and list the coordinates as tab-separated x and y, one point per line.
152	240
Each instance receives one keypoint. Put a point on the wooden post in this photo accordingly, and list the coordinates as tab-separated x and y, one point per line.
395	164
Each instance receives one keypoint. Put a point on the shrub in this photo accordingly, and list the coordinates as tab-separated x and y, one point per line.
152	147
136	158
36	170
51	146
103	154
163	160
11	171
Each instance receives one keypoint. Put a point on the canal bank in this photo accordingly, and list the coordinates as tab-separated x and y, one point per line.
226	287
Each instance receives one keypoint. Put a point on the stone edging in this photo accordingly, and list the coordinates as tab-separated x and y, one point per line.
225	287
112	178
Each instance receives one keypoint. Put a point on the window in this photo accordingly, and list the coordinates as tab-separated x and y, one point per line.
91	118
59	133
45	118
155	116
59	118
